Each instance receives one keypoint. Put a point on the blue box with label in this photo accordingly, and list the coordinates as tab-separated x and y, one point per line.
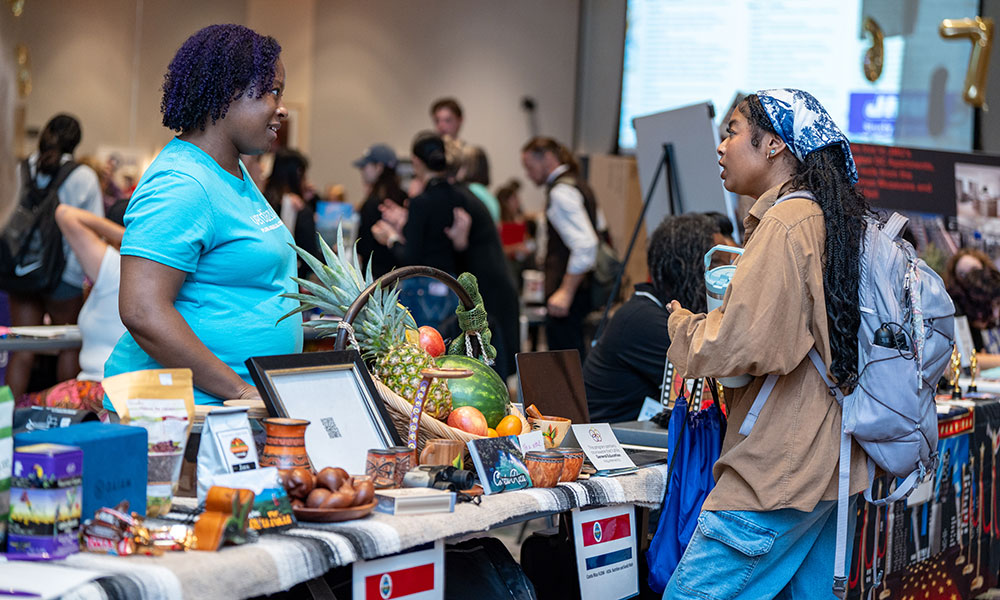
114	462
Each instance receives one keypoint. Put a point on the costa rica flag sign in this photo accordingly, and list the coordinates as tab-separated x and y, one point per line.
417	574
606	560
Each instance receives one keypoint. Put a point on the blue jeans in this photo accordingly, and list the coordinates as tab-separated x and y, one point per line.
429	301
755	555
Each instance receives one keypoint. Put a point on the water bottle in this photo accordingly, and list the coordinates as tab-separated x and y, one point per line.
716	283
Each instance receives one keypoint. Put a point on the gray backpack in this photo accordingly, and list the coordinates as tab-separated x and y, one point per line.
904	345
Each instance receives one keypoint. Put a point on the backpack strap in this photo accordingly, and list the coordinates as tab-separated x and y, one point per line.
894	225
58	178
758	404
796	194
843	483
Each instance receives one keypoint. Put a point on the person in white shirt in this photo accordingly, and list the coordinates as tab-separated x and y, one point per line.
95	241
81	189
574	221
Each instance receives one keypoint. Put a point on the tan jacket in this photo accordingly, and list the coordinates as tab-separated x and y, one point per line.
773	313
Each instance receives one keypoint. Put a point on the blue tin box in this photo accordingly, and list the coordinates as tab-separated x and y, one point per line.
114	459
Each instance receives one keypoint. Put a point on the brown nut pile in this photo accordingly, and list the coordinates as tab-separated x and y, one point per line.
330	488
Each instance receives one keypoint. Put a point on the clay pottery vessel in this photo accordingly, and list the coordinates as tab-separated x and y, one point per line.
553	429
285	445
406	459
381	466
544	467
572	463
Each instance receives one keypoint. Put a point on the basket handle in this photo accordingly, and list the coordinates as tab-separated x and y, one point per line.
399	274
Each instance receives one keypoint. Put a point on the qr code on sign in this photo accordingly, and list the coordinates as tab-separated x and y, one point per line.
330	426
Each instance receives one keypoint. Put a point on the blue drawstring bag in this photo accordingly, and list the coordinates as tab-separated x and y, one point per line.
693	445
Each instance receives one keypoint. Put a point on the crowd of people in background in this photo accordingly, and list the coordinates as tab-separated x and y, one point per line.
439	208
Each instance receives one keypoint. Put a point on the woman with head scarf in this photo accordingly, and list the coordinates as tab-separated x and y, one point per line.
770	523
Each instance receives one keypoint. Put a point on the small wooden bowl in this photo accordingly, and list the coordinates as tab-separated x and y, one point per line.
572	463
332	515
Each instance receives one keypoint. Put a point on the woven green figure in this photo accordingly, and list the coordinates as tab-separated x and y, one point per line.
473	321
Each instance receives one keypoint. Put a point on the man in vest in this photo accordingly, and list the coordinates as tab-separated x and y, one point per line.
573	222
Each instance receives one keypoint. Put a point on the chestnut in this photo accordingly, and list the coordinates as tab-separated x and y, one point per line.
300	483
331	478
348	490
365	493
317	497
296	503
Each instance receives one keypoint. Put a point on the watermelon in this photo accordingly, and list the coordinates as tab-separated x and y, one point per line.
483	390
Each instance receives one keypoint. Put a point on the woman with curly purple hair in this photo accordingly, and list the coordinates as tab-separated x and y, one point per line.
205	260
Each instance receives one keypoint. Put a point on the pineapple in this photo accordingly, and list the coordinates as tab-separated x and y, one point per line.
382	328
400	370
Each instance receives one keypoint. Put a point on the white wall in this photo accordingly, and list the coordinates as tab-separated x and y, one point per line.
379	65
602	45
90	59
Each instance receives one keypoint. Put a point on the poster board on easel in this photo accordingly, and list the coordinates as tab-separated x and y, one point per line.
691	132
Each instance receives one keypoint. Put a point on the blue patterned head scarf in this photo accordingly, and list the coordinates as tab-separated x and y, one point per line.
804	125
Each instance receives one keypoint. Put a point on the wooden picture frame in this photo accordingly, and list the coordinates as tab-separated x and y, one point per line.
335	393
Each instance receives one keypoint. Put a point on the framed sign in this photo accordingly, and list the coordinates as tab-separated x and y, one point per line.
335	393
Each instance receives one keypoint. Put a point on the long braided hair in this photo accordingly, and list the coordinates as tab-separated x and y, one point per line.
824	173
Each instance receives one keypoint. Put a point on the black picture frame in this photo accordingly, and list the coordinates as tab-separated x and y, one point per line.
324	388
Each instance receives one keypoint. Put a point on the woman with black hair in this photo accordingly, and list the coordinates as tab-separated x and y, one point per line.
973	282
80	188
205	260
417	234
770	522
378	174
626	364
288	194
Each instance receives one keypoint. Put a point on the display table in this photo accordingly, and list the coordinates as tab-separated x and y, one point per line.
280	561
40	338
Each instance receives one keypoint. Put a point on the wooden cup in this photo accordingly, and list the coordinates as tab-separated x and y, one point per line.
443	452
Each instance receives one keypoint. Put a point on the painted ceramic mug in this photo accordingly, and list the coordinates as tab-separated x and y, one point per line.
553	429
285	446
381	466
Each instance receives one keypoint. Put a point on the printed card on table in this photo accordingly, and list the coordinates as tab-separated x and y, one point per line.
601	446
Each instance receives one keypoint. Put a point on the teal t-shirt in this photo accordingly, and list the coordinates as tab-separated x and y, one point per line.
190	214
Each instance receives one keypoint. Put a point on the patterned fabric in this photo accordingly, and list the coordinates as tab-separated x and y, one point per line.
279	561
804	124
73	393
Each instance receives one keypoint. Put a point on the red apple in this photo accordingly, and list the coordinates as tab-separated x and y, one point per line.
430	341
468	418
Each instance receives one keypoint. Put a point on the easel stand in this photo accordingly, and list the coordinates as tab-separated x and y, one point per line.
676	207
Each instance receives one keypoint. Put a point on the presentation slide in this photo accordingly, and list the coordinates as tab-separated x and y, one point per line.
678	52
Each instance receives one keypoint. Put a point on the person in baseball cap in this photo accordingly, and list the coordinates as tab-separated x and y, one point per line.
377	154
378	174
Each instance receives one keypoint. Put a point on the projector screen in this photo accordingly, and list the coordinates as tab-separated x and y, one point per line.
679	52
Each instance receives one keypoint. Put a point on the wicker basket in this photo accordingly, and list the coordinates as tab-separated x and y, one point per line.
398	407
430	428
